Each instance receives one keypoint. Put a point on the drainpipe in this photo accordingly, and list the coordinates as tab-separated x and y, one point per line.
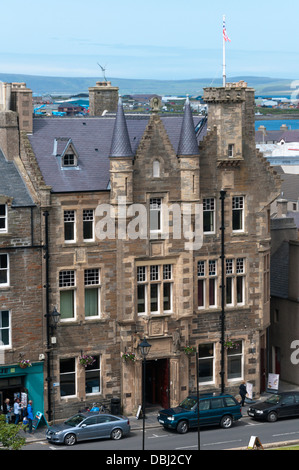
46	257
222	228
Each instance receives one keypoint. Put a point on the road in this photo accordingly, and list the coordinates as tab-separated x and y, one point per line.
211	438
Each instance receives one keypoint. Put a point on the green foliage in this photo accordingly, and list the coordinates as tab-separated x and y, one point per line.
9	438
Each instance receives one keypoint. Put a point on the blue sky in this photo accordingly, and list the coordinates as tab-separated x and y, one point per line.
158	39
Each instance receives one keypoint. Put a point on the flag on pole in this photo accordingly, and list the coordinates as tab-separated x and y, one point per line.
225	36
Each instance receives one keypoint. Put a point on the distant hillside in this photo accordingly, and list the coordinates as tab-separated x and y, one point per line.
68	85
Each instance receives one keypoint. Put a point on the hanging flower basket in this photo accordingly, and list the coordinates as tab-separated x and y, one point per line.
24	363
128	357
189	350
86	360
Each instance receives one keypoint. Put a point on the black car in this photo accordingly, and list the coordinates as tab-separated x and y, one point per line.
279	405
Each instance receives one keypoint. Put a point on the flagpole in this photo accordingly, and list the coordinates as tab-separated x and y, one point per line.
224	66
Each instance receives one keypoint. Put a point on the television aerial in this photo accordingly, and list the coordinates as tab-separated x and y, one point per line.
103	70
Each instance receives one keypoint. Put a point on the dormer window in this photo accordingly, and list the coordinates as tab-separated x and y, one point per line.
65	149
68	160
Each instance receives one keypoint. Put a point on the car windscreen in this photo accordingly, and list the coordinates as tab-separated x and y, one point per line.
188	403
75	420
274	399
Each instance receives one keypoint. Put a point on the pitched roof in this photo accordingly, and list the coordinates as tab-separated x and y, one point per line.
120	146
12	184
92	138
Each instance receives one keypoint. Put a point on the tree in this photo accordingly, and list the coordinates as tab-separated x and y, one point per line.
9	435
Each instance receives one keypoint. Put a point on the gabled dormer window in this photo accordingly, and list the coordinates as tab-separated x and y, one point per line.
65	149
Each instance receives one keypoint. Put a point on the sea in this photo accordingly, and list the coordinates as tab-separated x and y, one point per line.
275	124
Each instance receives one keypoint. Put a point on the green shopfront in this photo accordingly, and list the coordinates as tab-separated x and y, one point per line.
15	381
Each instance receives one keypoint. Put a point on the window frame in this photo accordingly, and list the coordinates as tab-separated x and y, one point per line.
207	358
70	286
6	269
88	222
9	344
5	218
69	224
208	281
146	278
74	372
90	369
209	207
155	218
93	285
240	211
231	354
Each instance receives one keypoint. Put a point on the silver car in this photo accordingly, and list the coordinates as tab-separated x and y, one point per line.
89	425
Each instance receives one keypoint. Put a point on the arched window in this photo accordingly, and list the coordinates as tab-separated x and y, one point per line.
156	169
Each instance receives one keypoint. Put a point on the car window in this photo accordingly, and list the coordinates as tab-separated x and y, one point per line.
204	405
229	401
106	419
287	400
90	421
188	403
216	403
75	420
274	399
297	399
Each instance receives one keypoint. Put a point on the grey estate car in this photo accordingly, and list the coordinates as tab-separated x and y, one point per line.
89	425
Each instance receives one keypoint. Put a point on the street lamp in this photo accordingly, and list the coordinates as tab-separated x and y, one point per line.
52	319
144	348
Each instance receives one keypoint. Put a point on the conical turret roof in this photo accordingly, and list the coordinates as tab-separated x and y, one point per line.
120	145
188	143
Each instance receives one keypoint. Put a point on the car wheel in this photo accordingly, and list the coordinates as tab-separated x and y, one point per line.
226	422
182	427
116	434
272	417
70	439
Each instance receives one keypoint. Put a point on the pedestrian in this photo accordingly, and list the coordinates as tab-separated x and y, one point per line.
7	410
17	408
30	416
243	392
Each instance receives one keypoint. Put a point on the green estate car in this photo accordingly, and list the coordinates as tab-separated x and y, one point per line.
221	410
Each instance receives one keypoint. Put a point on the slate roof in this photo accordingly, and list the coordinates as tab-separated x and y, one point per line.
12	184
277	135
92	138
121	145
188	144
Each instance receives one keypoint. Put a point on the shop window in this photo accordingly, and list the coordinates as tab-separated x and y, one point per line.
67	377
93	377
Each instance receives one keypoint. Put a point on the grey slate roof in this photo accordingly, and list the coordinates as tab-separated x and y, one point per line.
12	184
188	144
92	138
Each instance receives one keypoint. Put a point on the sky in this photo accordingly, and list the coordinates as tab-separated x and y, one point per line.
158	39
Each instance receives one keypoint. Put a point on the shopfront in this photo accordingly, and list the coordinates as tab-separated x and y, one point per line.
26	384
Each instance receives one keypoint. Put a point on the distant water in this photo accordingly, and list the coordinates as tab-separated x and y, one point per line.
275	124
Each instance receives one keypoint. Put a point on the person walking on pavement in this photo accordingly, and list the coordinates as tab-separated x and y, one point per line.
7	410
243	392
30	416
17	410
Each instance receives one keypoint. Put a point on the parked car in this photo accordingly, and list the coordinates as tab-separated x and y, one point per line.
221	410
89	425
279	405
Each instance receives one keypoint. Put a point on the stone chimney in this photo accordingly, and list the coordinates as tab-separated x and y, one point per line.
103	98
21	103
282	207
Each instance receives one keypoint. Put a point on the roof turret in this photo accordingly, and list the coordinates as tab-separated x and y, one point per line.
120	145
188	143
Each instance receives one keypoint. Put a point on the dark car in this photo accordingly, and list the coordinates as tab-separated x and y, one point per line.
221	410
279	405
89	425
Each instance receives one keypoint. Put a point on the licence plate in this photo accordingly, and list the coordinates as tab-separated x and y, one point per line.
160	421
250	413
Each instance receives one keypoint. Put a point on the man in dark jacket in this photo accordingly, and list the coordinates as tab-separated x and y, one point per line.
242	391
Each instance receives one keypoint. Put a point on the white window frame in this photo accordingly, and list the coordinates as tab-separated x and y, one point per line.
93	282
67	219
90	218
207	358
7	283
100	378
241	273
68	286
5	229
159	275
209	207
2	345
65	397
238	204
236	379
206	275
156	169
155	214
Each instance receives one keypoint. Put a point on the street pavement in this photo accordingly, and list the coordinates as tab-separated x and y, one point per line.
151	420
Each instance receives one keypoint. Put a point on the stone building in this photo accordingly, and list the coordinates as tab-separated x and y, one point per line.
135	225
